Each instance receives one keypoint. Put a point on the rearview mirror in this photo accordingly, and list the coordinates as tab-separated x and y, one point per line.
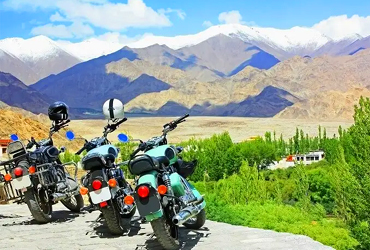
123	138
70	135
14	137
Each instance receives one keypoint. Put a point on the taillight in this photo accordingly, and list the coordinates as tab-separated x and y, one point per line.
96	184
32	170
18	171
103	204
143	191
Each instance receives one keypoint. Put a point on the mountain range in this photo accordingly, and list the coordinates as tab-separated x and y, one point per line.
227	70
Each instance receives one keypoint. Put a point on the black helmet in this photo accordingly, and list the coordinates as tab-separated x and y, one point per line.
58	111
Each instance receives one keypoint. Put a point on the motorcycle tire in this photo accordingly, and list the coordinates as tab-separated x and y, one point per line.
74	204
197	221
168	238
41	210
113	219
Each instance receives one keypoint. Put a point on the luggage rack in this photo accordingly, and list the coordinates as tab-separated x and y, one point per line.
9	193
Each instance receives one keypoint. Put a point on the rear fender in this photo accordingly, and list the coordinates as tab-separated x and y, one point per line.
97	174
149	207
150	178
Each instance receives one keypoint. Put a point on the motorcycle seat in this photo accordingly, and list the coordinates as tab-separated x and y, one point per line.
162	160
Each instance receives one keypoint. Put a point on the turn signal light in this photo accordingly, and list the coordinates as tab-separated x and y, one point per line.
7	177
32	170
162	189
143	191
128	200
112	183
18	171
83	191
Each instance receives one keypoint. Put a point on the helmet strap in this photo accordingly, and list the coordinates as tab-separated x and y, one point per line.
111	109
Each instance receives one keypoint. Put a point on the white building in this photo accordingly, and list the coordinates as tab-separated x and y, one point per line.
292	160
309	158
3	145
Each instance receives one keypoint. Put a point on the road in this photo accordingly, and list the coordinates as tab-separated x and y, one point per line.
82	231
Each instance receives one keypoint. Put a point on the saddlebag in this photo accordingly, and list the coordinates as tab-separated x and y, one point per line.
184	168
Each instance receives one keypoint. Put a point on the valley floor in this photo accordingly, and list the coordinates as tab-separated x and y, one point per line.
240	128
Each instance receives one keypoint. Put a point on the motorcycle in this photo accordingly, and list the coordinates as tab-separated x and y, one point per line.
39	178
105	183
162	194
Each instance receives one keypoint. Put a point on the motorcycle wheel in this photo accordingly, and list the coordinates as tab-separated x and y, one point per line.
40	209
74	204
197	221
113	219
167	233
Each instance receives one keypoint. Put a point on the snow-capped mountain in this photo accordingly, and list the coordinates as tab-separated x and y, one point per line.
288	42
90	48
294	41
282	39
32	49
41	54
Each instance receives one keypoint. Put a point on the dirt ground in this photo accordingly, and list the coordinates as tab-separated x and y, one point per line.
201	127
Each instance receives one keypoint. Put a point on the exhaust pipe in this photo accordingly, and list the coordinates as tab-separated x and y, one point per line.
185	214
58	197
127	209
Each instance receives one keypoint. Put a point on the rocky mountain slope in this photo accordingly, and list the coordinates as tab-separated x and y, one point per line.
15	93
26	126
231	70
14	66
304	80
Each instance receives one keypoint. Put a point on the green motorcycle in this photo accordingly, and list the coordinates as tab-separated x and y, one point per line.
163	195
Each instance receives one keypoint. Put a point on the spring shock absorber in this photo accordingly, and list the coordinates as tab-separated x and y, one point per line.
167	182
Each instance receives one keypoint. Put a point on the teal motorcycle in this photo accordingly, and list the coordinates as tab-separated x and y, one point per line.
163	195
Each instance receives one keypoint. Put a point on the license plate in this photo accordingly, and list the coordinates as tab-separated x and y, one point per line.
22	182
100	195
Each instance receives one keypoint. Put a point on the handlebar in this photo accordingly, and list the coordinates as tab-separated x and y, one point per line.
107	129
58	126
167	128
81	150
142	146
172	125
32	143
181	119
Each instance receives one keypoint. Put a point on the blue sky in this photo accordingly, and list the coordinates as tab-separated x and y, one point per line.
75	20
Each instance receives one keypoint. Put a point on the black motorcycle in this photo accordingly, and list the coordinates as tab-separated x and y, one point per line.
105	183
39	178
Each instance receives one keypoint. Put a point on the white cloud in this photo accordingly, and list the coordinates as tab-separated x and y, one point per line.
230	17
57	17
28	5
181	14
207	24
114	16
76	29
101	13
338	27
